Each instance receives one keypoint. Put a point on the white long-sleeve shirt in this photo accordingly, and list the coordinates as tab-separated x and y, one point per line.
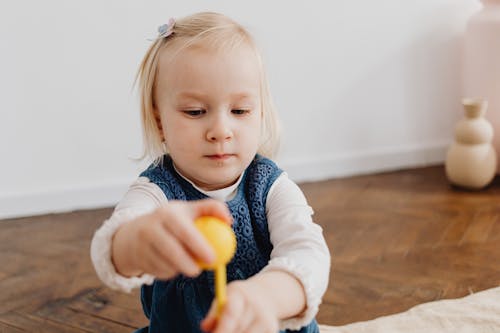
299	247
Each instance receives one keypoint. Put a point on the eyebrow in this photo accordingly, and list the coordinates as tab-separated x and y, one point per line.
243	95
198	95
190	94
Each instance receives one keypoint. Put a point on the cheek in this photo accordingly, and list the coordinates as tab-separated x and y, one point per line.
180	136
172	126
253	133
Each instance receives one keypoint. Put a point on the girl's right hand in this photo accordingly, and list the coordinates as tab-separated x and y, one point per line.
166	242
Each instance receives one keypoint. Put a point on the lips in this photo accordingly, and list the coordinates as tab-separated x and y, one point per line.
219	157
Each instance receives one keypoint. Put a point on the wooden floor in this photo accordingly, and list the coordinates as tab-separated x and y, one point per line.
397	239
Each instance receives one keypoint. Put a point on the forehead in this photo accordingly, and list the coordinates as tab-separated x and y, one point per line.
212	71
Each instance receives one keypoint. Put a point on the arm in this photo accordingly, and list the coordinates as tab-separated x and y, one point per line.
284	290
146	237
166	242
288	291
299	247
141	198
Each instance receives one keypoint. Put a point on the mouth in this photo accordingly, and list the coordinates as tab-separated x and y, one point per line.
219	157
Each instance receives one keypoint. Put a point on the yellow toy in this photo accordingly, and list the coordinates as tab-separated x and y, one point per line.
222	239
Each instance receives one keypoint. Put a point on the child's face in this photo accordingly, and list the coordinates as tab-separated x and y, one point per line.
210	108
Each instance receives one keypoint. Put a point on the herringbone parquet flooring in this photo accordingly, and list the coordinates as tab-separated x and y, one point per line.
397	239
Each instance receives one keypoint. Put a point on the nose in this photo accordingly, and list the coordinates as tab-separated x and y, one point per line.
219	130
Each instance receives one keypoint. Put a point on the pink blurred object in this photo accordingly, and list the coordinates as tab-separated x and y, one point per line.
482	62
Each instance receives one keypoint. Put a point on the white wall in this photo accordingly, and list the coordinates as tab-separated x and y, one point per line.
361	86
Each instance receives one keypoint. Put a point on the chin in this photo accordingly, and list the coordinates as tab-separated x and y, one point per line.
225	181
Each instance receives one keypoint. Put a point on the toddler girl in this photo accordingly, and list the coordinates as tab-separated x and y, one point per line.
208	124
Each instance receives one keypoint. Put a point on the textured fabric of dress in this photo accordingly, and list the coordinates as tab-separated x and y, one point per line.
179	304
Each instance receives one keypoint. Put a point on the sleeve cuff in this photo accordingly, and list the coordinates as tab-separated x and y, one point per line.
100	252
312	301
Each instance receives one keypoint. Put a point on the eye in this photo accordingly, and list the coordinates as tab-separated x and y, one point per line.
194	113
239	111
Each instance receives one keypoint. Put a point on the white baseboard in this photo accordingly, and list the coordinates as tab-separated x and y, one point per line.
358	163
300	170
61	200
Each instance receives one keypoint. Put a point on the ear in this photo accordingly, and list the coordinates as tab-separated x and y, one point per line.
159	125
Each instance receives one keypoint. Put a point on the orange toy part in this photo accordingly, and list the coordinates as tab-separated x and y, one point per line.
222	239
220	236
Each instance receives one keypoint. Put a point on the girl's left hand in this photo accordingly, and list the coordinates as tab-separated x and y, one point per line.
247	310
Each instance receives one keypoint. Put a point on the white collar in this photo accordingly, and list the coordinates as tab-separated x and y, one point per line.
223	194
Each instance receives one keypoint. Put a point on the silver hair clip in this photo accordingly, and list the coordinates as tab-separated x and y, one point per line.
166	30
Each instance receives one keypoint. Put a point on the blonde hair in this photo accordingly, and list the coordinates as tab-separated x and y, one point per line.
216	31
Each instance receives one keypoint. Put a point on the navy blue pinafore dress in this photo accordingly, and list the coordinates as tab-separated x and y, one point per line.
178	305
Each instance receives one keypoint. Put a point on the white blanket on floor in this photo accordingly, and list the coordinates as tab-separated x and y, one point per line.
476	313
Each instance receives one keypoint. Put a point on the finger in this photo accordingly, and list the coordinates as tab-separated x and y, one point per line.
211	207
245	321
149	257
210	322
181	226
145	255
172	252
257	327
168	254
157	267
231	314
226	325
262	325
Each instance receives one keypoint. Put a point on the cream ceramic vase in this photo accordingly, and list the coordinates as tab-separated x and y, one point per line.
471	161
482	61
